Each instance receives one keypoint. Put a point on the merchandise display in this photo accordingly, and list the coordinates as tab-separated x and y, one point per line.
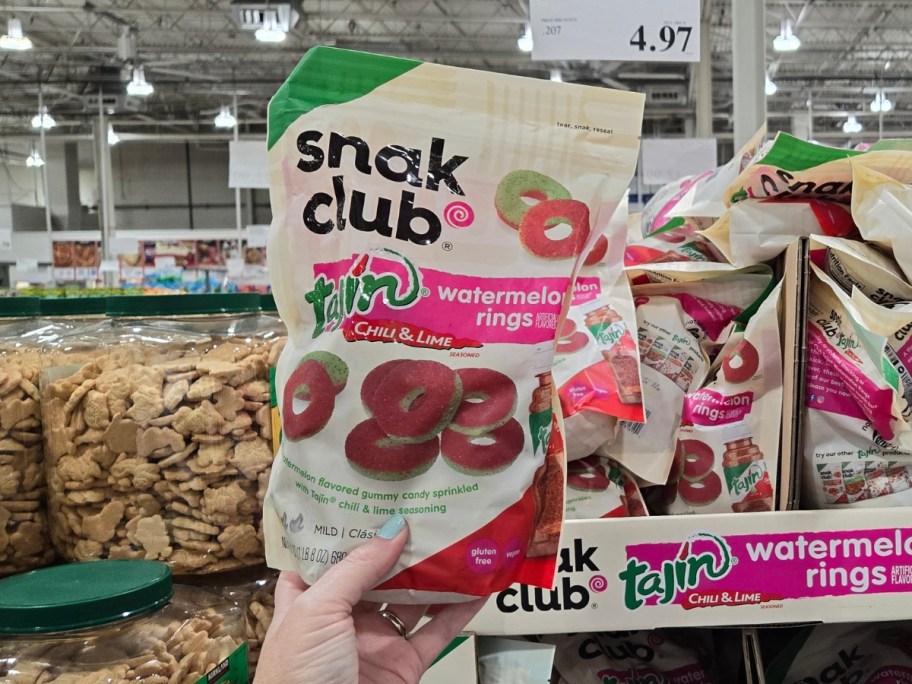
24	536
161	446
421	344
627	348
117	622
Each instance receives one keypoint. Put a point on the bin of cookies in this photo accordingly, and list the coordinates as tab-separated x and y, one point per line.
116	622
254	590
24	540
161	447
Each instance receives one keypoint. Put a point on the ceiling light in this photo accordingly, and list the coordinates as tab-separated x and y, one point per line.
524	42
771	86
786	41
13	38
113	138
270	31
43	120
852	125
881	103
556	76
34	159
225	119
139	86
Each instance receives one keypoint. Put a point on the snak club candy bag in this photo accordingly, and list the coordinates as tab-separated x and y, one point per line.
428	226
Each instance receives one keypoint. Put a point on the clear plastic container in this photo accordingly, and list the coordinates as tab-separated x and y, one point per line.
115	622
254	590
161	447
24	540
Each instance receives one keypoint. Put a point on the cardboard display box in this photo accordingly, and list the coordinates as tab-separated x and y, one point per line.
718	570
733	569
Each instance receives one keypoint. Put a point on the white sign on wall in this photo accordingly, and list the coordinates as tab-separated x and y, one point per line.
616	30
664	161
247	164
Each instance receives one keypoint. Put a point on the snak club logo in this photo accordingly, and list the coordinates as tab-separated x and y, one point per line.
458	214
702	557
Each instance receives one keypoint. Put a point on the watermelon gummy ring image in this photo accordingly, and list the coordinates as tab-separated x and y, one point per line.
423	253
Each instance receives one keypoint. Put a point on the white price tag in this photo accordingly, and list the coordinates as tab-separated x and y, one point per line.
165	262
641	31
118	246
109	266
235	267
26	264
257	235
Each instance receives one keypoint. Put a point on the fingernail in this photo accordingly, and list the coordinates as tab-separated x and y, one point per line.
391	527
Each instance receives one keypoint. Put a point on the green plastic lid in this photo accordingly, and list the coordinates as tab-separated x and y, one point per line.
267	302
73	306
182	304
14	307
80	595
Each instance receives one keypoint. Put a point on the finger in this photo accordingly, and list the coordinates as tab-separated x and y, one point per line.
363	567
410	615
288	587
436	635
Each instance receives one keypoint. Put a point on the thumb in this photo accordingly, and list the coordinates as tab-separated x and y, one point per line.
364	567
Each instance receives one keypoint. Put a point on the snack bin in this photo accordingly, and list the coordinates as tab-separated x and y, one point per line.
251	588
24	540
117	621
160	448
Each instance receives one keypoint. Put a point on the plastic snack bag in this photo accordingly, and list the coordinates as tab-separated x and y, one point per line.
677	241
596	365
792	167
726	447
867	653
599	488
851	263
681	327
858	437
754	231
882	208
699	197
661	655
428	226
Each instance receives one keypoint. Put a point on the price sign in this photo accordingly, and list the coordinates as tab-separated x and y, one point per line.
26	264
257	235
109	266
645	30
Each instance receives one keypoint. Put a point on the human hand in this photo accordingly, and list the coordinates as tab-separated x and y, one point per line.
326	634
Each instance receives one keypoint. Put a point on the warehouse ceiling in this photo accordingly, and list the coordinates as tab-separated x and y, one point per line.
198	55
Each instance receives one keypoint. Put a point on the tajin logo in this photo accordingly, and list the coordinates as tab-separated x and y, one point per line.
567	595
359	289
682	573
395	163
